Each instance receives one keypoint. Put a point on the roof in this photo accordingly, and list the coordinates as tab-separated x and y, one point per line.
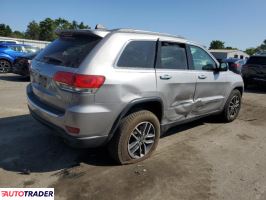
104	32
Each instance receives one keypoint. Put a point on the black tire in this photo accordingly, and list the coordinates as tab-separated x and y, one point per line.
120	143
5	66
231	110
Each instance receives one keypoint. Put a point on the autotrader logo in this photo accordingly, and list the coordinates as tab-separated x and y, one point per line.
26	193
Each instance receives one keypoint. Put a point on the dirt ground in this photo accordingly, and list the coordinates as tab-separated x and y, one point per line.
205	159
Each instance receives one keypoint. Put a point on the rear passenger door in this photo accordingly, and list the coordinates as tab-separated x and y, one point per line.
211	85
175	83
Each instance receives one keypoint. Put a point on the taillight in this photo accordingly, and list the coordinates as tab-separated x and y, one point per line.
78	82
236	65
73	130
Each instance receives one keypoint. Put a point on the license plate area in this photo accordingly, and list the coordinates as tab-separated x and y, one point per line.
39	79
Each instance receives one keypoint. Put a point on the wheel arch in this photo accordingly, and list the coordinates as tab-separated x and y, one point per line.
240	89
152	104
6	57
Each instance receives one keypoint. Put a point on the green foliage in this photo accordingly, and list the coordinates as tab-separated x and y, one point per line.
33	31
230	48
5	30
18	34
262	47
44	30
251	51
47	29
217	44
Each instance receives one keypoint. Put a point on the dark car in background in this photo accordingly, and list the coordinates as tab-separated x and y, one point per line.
234	64
22	63
254	71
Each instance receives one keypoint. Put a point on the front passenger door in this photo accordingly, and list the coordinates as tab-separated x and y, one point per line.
211	84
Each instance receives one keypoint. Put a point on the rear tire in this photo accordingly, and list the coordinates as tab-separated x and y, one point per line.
5	66
232	106
136	138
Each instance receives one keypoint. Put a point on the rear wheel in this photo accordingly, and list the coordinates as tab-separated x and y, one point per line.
5	66
136	138
232	106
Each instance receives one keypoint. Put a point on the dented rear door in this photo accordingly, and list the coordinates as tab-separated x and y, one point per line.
175	83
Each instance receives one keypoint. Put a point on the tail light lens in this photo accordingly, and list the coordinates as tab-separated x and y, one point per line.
73	130
78	82
236	65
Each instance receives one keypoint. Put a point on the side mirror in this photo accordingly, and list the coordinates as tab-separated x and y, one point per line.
223	67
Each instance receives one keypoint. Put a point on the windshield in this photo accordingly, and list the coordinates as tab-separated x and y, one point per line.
68	51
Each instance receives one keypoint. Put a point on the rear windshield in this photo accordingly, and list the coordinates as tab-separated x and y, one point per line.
68	51
259	60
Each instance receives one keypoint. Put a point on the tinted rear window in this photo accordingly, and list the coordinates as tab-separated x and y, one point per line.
138	54
173	56
68	51
258	60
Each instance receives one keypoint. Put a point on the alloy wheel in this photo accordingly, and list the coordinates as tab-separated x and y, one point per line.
234	106
141	140
4	66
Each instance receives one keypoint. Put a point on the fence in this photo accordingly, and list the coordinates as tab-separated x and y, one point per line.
36	43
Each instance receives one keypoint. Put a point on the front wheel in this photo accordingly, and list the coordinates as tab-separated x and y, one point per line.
136	138
232	106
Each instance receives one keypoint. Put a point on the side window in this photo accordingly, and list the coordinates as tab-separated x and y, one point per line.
173	56
201	59
16	48
140	54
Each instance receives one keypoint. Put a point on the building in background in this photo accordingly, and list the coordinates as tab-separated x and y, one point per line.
221	54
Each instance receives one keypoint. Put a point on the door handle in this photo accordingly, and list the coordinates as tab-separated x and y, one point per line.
165	77
202	76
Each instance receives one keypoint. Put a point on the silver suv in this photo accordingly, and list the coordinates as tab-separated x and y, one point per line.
125	88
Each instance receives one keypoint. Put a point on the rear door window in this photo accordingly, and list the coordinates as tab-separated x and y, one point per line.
172	56
68	51
138	54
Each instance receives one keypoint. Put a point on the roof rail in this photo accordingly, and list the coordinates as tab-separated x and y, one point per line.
128	30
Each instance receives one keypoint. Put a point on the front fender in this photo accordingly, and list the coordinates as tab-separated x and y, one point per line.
7	57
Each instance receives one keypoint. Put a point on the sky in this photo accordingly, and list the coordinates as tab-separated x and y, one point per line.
239	23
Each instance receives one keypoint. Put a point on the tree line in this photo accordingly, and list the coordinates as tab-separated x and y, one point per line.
43	30
218	44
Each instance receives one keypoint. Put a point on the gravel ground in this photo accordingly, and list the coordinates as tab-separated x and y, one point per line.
205	159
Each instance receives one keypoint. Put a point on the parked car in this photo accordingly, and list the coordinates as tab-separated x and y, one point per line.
22	63
254	71
9	52
124	88
235	64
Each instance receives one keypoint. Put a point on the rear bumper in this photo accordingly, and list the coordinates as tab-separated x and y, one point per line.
93	132
82	142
